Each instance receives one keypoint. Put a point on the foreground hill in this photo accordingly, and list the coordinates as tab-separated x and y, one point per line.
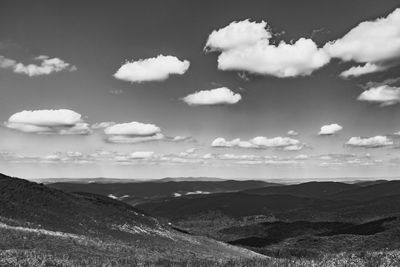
84	228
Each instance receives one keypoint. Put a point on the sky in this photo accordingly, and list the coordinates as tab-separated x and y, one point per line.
237	89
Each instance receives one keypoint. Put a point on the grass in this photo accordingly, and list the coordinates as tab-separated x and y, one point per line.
31	249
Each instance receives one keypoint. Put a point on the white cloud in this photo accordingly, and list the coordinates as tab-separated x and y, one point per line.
100	125
292	133
245	46
132	133
127	139
361	70
60	121
208	156
297	147
384	95
259	142
47	66
221	142
179	138
301	157
371	142
141	154
284	60
238	157
152	69
374	42
330	129
238	34
133	129
216	96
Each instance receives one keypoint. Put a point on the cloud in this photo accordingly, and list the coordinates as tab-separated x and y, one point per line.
60	121
385	95
361	70
221	142
126	139
374	42
238	157
216	96
330	129
101	125
371	142
292	133
152	69
180	138
238	34
141	154
297	147
262	141
259	142
132	132
132	129
47	66
301	157
246	46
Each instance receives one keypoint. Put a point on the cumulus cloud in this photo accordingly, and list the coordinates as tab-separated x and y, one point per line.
101	125
370	142
238	34
376	43
292	133
330	129
246	46
238	157
301	157
259	142
216	96
152	69
127	139
141	154
133	132
47	66
221	142
296	147
384	95
361	70
132	128
180	138
60	121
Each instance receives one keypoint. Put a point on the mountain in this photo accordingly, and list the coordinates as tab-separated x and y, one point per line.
138	192
235	204
309	189
40	223
369	192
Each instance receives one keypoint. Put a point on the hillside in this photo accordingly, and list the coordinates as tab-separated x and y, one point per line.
37	219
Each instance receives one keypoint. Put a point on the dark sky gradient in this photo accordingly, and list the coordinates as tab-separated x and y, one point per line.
98	36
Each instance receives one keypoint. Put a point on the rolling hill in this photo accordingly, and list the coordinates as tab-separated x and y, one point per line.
39	222
137	192
309	189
